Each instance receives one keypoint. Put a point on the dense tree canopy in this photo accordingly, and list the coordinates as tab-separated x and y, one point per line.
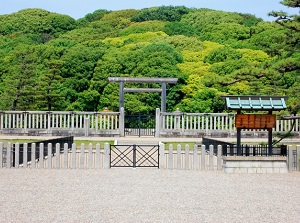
50	61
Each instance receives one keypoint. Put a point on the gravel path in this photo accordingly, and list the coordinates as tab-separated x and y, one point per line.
147	195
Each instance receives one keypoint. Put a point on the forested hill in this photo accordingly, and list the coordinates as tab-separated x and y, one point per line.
50	61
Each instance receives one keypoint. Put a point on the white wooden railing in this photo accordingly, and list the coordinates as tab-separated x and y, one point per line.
89	157
198	121
85	157
209	123
112	123
71	122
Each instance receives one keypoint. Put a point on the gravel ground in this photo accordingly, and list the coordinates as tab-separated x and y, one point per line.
147	195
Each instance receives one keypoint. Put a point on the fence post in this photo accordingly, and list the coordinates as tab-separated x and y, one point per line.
134	156
25	154
49	155
82	150
25	122
211	157
298	157
170	163
122	122
195	157
187	153
290	158
90	165
203	157
178	115
72	122
219	157
106	156
8	155
87	126
41	156
178	157
33	148
73	156
97	162
66	155
157	122
57	152
1	156
162	156
49	116
206	124
17	155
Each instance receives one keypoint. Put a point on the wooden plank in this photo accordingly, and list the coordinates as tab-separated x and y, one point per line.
255	121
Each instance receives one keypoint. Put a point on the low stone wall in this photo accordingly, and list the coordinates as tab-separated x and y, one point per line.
255	164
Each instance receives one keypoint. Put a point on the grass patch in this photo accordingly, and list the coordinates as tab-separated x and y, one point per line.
77	142
190	144
5	141
93	142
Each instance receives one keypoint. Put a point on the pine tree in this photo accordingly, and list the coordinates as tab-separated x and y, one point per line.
20	82
48	85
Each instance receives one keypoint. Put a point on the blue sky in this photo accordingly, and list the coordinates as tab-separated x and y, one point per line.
79	8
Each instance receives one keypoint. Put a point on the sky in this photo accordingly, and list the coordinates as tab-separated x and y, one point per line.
79	8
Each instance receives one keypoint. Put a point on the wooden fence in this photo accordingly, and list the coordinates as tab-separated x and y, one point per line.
214	124
68	158
60	123
89	157
196	158
57	123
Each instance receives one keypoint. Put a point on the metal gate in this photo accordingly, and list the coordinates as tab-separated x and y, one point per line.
140	125
134	156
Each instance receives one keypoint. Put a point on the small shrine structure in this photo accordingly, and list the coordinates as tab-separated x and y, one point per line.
255	121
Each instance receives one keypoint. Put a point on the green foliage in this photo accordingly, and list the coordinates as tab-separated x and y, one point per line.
289	65
80	61
18	82
181	42
48	96
254	55
204	18
96	15
143	27
94	31
179	28
88	100
250	20
204	101
225	68
268	37
120	19
163	13
50	61
36	21
222	54
225	33
143	38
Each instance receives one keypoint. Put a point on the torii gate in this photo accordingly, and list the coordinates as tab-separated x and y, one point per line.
162	90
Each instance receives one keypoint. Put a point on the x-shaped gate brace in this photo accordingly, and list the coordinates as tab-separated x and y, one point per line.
134	156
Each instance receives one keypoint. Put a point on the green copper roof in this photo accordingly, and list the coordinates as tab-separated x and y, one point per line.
263	103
